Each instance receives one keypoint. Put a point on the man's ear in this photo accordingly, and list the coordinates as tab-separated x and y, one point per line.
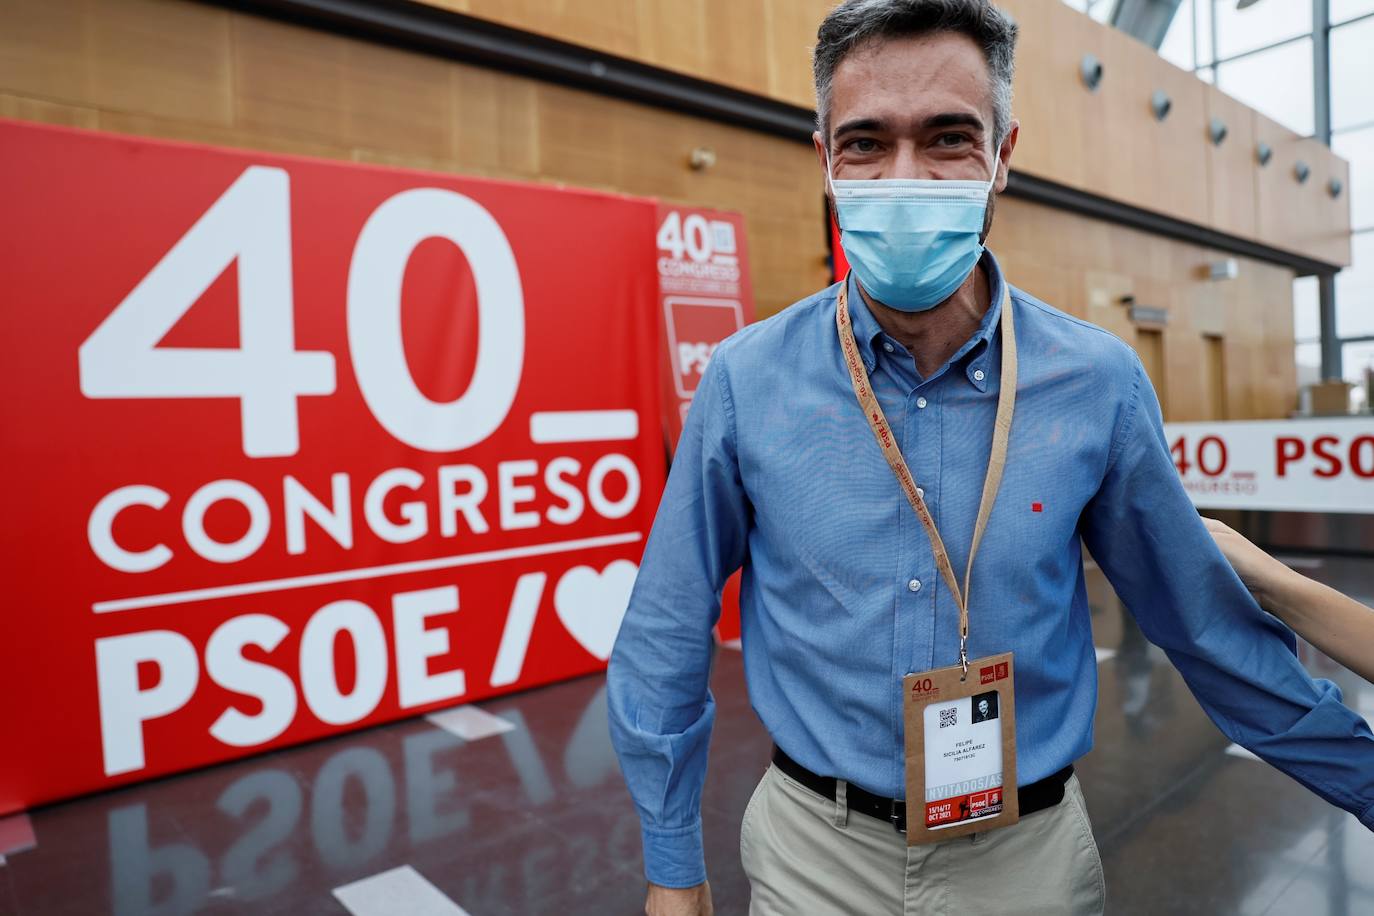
819	143
1004	155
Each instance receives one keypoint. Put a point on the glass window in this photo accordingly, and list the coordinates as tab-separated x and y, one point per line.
1357	364
1177	47
1101	10
1355	290
1342	10
1263	24
1306	310
1308	357
1357	147
1352	74
1202	25
1277	83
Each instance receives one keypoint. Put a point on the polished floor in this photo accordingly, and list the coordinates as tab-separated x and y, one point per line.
527	813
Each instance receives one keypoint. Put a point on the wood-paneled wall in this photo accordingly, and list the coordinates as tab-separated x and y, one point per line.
760	46
1106	142
186	71
1087	268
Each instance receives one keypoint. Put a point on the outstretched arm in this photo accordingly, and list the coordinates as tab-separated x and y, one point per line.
1337	625
1238	661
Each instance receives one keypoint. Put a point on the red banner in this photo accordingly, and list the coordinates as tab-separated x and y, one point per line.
304	446
706	295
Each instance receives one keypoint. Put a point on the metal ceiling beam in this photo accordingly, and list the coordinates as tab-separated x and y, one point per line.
1147	20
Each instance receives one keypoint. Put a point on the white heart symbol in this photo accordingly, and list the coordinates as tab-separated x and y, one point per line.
592	605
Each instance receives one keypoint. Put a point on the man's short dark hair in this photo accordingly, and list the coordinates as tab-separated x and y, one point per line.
856	22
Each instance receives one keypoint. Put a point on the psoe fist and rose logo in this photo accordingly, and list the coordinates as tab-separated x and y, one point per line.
310	446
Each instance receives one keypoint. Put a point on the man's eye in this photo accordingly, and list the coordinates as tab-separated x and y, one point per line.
863	145
952	140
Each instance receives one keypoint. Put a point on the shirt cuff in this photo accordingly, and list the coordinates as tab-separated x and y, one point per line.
673	857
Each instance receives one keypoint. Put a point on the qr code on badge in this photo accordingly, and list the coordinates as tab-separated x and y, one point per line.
949	717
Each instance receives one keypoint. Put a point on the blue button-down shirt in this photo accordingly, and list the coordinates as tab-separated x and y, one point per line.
777	471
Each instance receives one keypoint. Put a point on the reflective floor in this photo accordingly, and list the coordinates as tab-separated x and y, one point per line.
535	819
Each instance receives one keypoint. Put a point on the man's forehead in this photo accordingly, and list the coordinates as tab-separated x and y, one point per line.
911	77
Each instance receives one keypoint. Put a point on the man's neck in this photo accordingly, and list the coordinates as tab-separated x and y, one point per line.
933	336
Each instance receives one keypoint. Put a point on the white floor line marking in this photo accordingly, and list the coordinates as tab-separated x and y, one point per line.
731	644
553	427
1104	654
400	890
1235	750
1301	562
469	722
371	572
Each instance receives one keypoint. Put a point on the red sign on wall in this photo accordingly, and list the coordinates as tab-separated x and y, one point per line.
301	446
705	293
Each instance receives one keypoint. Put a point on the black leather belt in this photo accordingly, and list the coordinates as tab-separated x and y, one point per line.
1046	793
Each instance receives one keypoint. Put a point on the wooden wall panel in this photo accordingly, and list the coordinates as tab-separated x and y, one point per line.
116	56
1056	113
1214	377
1302	216
791	34
25	109
1088	268
1232	167
1165	174
295	82
761	46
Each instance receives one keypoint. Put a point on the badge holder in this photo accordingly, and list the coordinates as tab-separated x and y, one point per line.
960	750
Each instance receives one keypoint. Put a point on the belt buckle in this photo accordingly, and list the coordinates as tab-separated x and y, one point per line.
898	820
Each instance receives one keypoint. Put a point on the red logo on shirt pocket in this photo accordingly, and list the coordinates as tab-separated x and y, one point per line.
1037	507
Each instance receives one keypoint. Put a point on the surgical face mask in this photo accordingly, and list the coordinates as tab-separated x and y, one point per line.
911	243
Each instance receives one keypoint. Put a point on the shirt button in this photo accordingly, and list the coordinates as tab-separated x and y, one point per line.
921	403
914	585
979	375
887	346
920	491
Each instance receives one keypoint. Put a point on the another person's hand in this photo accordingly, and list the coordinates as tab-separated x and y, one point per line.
1263	575
675	901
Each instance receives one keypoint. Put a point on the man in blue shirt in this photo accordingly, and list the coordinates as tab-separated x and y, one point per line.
778	471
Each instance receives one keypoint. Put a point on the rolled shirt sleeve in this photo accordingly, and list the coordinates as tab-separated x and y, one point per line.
1237	660
661	710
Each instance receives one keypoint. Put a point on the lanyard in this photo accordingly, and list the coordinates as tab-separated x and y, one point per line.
1001	435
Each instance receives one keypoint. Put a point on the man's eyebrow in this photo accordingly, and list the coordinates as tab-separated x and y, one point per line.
934	122
953	119
867	124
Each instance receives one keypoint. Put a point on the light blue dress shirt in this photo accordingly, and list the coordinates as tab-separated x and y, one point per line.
777	471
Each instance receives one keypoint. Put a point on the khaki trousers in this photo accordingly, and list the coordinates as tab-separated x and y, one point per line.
806	855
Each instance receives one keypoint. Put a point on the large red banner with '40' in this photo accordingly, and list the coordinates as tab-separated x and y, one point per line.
297	446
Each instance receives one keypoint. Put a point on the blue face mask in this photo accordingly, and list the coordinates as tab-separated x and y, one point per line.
911	243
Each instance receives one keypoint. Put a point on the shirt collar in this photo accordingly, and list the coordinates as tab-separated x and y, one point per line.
867	331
